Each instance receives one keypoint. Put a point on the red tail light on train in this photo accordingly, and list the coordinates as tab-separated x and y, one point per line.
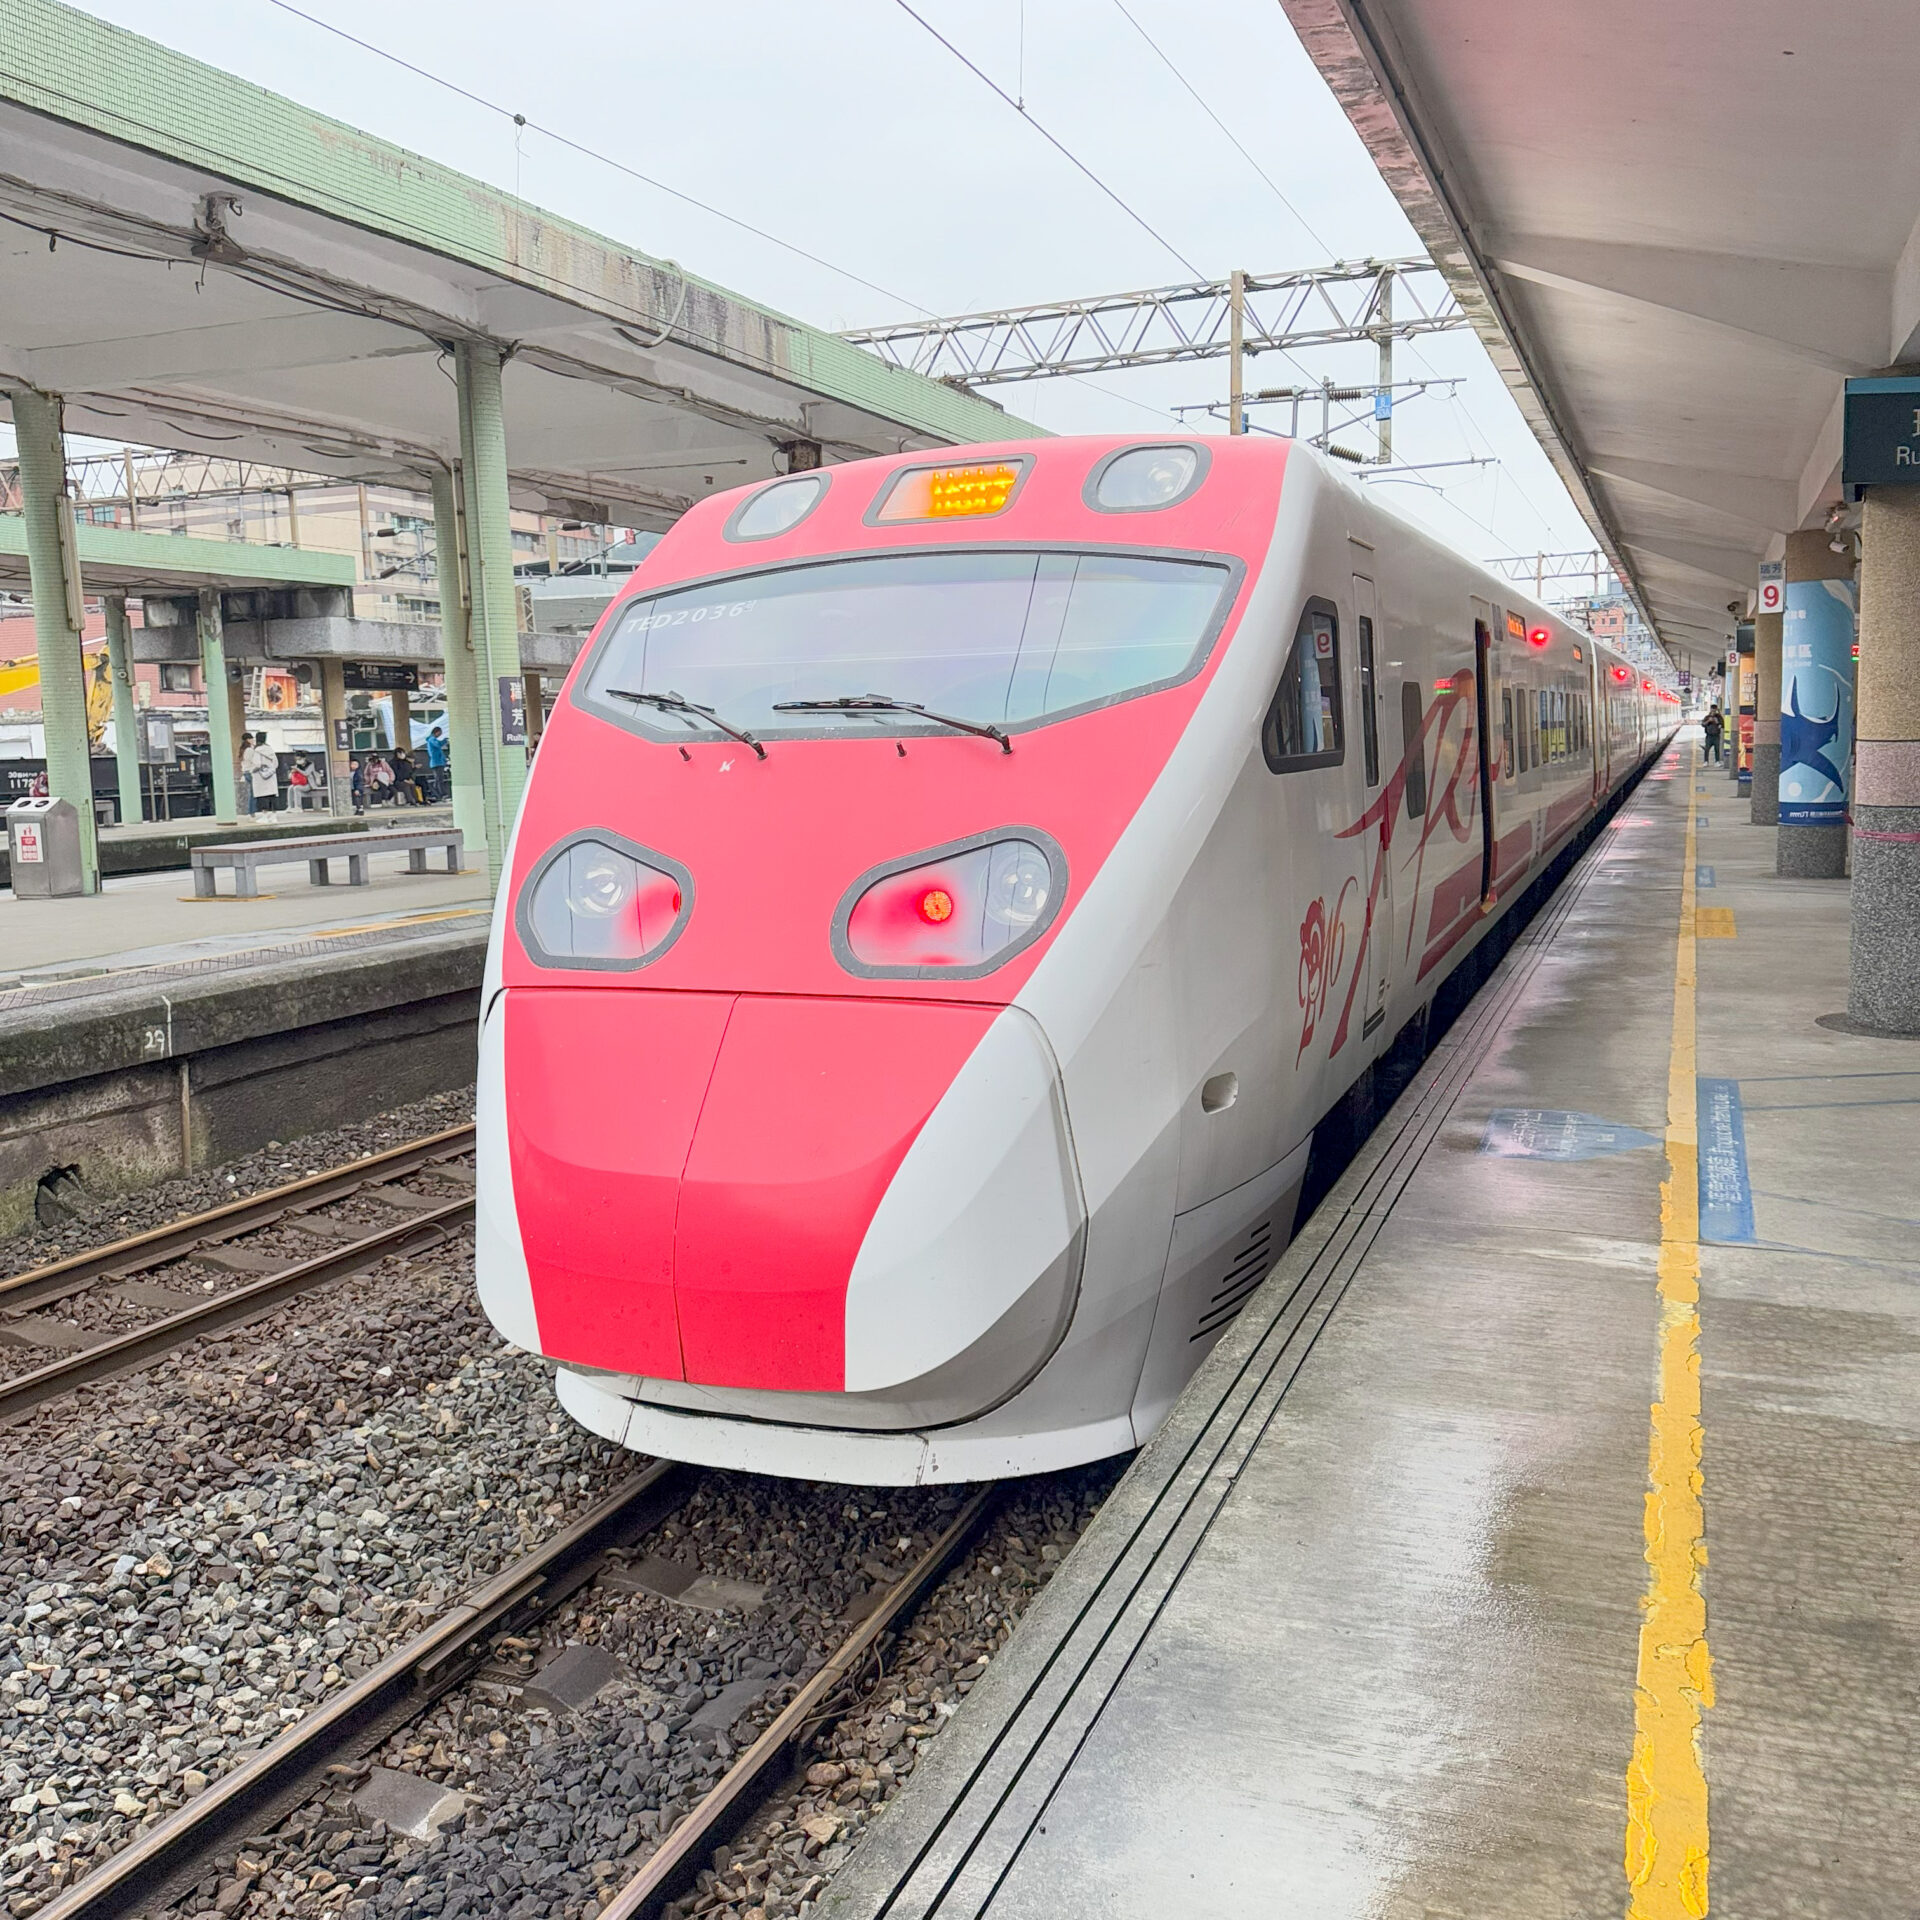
958	914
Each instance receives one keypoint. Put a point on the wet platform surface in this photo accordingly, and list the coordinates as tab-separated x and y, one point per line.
1403	1615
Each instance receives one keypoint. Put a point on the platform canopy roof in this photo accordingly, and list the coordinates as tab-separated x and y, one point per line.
118	560
196	263
1678	226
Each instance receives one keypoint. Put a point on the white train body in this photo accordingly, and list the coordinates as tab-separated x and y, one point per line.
1117	1115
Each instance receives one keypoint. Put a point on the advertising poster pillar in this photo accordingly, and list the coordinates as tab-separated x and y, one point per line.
1816	708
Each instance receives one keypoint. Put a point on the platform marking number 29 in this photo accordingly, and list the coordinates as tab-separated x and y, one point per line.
153	1043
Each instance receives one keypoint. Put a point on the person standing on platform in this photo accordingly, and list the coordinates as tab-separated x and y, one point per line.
1711	728
260	766
438	764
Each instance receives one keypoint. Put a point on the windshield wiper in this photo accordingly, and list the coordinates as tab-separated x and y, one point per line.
879	703
677	703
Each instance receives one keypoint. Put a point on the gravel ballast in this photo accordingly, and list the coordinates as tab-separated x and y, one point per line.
552	1810
195	1555
192	1555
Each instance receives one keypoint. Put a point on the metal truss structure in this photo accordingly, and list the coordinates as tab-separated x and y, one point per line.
151	477
1589	575
1349	302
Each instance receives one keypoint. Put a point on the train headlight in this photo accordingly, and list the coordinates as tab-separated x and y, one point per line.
1019	884
599	880
952	912
599	901
1145	479
777	509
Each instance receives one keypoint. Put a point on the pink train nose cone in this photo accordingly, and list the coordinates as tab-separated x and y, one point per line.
694	1173
603	1093
813	1105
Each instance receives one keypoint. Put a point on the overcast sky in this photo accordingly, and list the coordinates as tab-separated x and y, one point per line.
844	128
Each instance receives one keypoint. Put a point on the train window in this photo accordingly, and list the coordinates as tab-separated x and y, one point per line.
1414	747
1542	728
1506	733
1304	727
1369	724
991	635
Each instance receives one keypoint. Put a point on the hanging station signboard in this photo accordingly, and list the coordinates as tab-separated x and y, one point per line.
1880	445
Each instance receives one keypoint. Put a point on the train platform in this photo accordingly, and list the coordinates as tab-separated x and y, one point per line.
151	846
142	920
1539	1542
145	1032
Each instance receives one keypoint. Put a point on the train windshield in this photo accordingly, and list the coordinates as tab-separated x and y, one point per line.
986	635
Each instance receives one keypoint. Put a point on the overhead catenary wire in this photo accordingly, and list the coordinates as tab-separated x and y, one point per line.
521	121
1059	146
1273	186
1459	405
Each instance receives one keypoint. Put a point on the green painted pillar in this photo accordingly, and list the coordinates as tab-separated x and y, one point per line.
494	624
456	646
221	735
335	725
126	719
59	615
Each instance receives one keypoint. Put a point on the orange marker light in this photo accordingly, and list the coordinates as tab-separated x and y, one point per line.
934	906
954	493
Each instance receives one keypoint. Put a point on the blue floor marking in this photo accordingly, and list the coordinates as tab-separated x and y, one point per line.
1703	876
1726	1194
1551	1133
1701	820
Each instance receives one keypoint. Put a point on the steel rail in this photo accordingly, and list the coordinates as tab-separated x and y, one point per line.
166	1860
121	1353
152	1249
670	1871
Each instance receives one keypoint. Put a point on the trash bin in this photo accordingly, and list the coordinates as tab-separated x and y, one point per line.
43	849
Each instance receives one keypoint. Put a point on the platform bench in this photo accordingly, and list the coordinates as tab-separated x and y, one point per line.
246	858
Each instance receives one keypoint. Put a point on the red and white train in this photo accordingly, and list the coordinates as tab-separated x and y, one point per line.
949	894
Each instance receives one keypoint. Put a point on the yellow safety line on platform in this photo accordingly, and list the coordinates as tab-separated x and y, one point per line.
1666	1778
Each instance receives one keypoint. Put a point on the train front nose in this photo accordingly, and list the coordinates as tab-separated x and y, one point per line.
787	1193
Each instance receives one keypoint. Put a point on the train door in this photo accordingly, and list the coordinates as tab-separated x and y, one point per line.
1380	939
1596	733
1485	667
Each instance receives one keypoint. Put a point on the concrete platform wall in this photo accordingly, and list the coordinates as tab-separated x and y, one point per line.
129	1084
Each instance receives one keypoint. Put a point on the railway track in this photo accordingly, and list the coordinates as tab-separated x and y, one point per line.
333	1248
172	1856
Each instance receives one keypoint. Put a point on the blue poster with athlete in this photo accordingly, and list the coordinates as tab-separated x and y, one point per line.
1816	702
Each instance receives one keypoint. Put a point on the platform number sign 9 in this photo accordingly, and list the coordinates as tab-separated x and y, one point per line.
1773	587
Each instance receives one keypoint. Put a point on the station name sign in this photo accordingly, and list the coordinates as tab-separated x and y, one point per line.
1881	443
